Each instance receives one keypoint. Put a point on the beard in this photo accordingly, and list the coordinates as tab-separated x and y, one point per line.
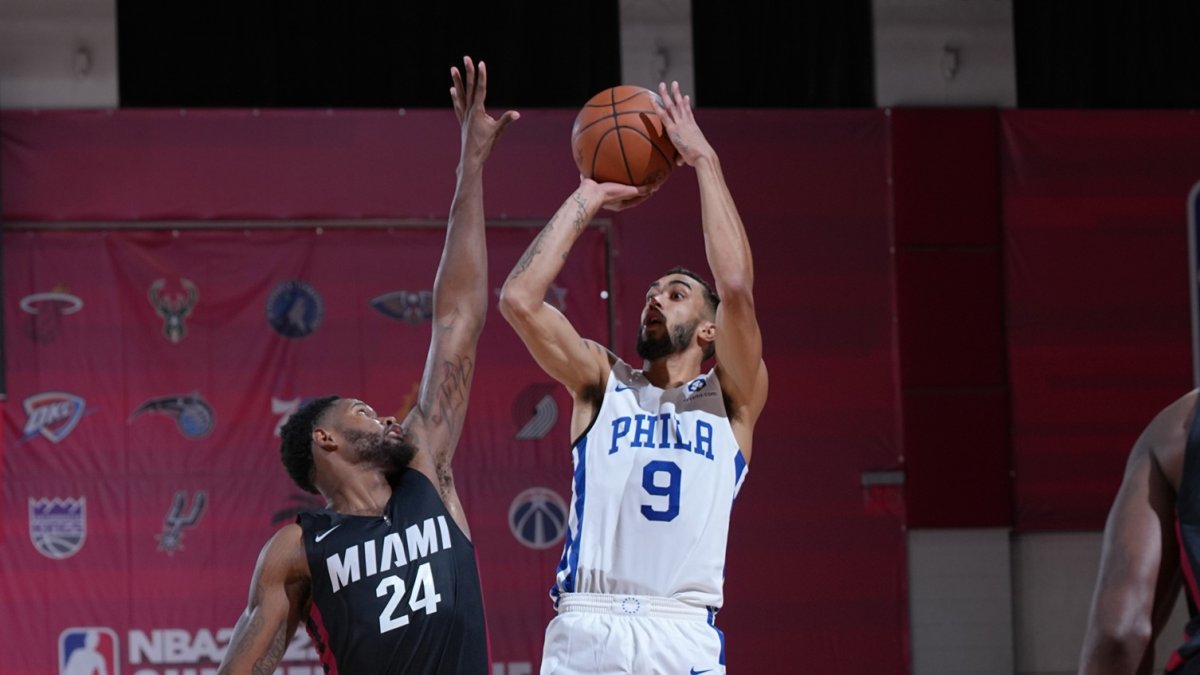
673	341
390	452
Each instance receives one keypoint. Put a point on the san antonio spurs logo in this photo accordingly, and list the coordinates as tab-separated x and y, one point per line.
294	309
538	518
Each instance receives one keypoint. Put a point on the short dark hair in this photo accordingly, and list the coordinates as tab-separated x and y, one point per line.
295	448
710	294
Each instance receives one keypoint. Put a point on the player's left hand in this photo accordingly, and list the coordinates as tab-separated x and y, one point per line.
675	111
479	129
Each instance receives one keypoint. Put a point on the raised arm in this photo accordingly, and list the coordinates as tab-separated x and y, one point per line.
1139	567
460	294
580	365
739	342
279	594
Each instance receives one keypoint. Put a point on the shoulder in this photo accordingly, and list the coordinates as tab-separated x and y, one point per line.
1165	438
284	554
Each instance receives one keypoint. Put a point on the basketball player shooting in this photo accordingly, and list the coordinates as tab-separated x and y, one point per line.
1151	544
385	576
660	452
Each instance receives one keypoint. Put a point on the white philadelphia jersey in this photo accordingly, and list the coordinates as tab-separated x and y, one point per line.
655	479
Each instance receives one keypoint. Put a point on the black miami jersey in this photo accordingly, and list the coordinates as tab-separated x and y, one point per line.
1186	659
397	593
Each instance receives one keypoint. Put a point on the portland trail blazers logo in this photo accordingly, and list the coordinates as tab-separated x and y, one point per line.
534	411
46	311
193	415
58	527
294	309
53	414
174	307
538	518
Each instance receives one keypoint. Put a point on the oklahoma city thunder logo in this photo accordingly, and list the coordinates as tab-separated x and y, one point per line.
85	651
53	414
58	527
294	309
538	518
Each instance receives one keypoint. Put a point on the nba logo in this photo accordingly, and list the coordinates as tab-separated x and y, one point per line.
88	651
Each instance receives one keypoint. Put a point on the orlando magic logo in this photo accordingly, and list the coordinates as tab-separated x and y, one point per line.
178	519
174	308
193	415
58	527
46	311
294	309
534	411
85	651
538	518
411	307
53	414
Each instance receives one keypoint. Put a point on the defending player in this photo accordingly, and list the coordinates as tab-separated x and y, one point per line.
385	576
660	452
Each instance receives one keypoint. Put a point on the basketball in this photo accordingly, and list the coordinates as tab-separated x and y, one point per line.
618	138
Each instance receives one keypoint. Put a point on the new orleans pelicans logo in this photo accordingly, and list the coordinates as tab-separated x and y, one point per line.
58	527
178	519
411	307
46	311
174	308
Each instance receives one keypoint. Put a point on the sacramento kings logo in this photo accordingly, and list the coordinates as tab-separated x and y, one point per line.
538	518
294	309
58	527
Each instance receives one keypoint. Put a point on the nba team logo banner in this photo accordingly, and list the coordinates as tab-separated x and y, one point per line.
180	517
538	518
53	414
58	527
534	411
46	311
88	651
294	309
410	307
192	414
174	307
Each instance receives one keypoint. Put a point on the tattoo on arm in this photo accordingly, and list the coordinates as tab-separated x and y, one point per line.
451	390
266	665
580	211
534	249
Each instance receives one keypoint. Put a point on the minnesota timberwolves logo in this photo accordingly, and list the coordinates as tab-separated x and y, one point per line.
84	651
193	415
174	307
294	309
180	517
411	307
46	311
53	414
58	527
538	518
534	411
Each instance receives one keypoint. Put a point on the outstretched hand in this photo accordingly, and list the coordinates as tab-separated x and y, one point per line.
479	129
617	196
675	111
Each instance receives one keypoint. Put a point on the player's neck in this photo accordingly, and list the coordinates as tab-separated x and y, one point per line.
673	370
360	493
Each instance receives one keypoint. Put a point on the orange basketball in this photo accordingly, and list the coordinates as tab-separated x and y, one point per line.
618	138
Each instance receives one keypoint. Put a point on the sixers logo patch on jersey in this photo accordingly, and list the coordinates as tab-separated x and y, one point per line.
538	518
294	309
86	651
53	414
58	527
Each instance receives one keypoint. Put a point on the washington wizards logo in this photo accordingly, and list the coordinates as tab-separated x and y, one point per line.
58	527
193	415
53	414
174	308
538	518
294	309
46	311
411	307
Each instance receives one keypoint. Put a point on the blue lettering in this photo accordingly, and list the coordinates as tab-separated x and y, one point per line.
620	428
679	444
704	432
665	418
643	436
